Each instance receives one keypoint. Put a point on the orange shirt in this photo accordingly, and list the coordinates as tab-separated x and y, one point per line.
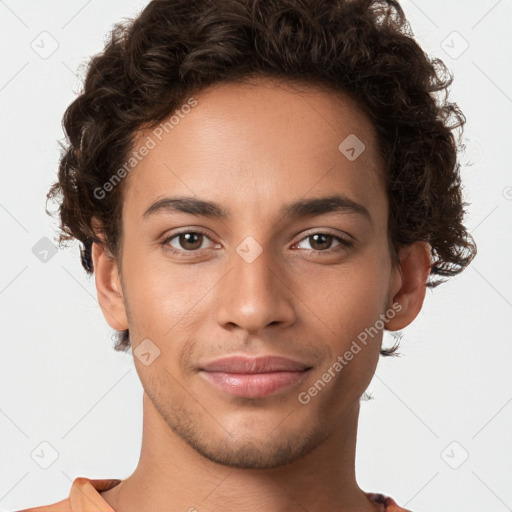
85	497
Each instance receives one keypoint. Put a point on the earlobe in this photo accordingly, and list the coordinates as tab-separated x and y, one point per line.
415	265
108	287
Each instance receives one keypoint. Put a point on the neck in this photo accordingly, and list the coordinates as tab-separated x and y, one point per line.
172	476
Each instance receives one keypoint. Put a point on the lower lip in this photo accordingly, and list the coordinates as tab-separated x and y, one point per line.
253	385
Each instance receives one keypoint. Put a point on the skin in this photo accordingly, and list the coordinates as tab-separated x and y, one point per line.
253	148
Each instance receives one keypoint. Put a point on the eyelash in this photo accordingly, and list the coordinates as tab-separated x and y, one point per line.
344	244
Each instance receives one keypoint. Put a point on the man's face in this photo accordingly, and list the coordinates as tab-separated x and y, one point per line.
257	282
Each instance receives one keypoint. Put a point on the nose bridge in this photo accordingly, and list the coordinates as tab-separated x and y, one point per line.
253	294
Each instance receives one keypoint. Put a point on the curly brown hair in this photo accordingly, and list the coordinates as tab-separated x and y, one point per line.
363	48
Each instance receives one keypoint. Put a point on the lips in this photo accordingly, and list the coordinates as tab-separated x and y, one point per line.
239	364
254	377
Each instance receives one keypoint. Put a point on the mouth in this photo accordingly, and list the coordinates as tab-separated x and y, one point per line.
254	377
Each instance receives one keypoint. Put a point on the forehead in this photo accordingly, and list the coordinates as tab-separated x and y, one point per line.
258	142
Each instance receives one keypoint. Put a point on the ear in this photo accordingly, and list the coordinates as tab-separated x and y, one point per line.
108	287
410	284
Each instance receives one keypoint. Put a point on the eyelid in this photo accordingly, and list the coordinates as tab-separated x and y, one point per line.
328	231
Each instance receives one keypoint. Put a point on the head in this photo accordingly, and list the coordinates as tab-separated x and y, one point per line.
269	177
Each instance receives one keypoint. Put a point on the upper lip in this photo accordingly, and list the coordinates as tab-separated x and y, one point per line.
263	364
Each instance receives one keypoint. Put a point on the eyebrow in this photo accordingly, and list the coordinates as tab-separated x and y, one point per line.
336	203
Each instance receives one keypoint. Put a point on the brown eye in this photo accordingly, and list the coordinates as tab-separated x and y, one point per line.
321	241
190	241
186	241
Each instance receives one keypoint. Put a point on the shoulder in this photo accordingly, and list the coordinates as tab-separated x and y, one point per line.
60	506
386	503
84	496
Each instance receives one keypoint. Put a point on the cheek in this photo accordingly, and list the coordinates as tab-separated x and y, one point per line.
354	335
170	305
161	293
349	305
349	297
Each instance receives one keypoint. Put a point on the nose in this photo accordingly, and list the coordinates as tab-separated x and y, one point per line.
254	294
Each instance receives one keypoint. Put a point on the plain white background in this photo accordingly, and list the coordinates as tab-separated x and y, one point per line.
437	434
